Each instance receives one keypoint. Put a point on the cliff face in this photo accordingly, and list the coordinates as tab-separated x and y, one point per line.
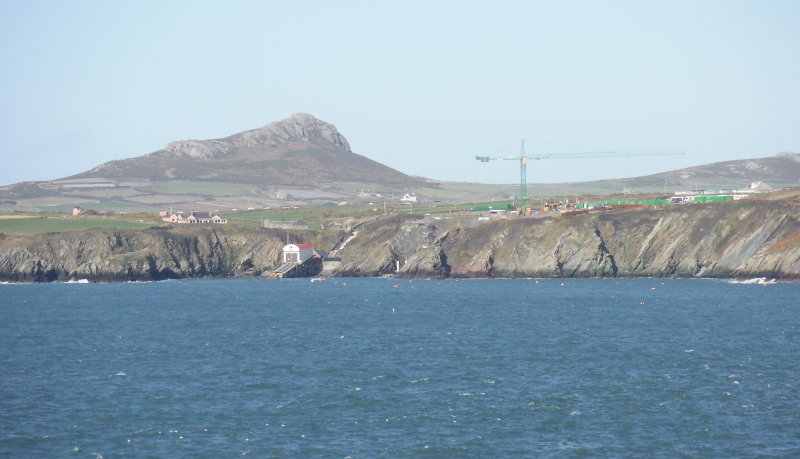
736	239
123	255
743	239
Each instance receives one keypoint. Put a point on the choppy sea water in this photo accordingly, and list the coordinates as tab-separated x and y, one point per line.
360	368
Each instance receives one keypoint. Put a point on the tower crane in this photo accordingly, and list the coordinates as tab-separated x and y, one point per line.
523	162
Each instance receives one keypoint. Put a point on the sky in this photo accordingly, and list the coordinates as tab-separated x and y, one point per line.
422	87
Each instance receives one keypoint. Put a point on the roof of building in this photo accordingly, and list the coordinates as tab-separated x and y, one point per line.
301	222
299	246
760	186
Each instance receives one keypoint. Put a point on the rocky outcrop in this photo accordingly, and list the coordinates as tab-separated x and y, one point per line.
299	127
382	244
155	254
735	239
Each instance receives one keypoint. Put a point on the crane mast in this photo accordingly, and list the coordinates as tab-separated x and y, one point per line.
523	163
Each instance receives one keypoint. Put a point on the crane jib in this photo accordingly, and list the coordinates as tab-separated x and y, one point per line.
523	161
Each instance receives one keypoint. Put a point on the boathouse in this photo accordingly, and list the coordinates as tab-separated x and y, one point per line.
299	260
297	253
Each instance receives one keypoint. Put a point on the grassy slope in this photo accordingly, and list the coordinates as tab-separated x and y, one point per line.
51	225
200	188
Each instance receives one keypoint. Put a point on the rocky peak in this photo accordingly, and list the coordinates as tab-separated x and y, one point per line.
300	127
790	155
203	149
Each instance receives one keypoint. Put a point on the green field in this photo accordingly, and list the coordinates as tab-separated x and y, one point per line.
202	188
104	193
315	216
160	200
83	180
56	224
358	186
108	206
465	192
318	216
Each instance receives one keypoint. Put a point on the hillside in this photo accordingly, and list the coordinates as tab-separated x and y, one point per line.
298	151
779	171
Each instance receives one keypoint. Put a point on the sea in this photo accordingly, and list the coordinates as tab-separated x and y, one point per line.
387	368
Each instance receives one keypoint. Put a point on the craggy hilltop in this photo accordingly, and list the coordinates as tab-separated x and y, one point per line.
757	237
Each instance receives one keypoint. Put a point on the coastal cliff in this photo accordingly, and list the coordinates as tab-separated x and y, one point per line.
740	239
152	254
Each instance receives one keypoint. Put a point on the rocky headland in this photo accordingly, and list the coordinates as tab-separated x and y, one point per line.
734	240
158	253
739	239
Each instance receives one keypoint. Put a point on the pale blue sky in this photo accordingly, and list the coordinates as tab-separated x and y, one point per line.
420	86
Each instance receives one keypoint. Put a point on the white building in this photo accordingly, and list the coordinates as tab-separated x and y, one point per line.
195	217
757	187
409	198
297	253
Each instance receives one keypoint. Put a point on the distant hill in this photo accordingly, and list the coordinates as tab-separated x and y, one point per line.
779	171
303	159
298	151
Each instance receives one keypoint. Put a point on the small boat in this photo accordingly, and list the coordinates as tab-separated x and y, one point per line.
318	279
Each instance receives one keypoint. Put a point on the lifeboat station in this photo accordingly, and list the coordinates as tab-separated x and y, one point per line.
299	260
